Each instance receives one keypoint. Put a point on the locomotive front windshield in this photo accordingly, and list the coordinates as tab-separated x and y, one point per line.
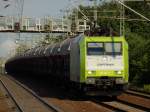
107	48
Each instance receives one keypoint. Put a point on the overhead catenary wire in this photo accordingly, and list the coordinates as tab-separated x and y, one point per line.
123	5
120	2
85	17
133	10
95	18
119	18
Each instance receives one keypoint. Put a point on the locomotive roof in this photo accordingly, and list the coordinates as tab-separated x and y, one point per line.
60	48
52	49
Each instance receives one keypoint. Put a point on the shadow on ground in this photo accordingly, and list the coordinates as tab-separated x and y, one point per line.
46	87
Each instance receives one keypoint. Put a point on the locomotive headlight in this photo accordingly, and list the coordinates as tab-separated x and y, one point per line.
90	80
119	72
89	72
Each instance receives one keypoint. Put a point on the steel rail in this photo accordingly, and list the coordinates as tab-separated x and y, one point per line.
49	105
121	102
139	90
108	106
137	93
13	99
133	105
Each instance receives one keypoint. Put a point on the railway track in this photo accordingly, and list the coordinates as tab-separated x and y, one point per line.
117	105
13	102
24	99
137	93
121	106
135	99
124	103
110	106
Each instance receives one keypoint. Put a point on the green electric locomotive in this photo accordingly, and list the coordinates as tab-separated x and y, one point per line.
96	65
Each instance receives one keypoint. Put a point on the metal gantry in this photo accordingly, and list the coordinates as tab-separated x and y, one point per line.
50	24
27	24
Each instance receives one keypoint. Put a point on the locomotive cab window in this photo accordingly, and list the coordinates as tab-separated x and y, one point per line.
113	48
95	48
106	48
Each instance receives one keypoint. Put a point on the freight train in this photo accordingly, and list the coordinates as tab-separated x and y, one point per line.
95	64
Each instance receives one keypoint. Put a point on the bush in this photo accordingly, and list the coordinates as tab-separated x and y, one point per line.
147	88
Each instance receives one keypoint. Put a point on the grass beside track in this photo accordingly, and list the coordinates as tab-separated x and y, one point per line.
147	88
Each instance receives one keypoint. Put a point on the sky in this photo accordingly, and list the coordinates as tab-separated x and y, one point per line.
35	8
32	8
44	7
